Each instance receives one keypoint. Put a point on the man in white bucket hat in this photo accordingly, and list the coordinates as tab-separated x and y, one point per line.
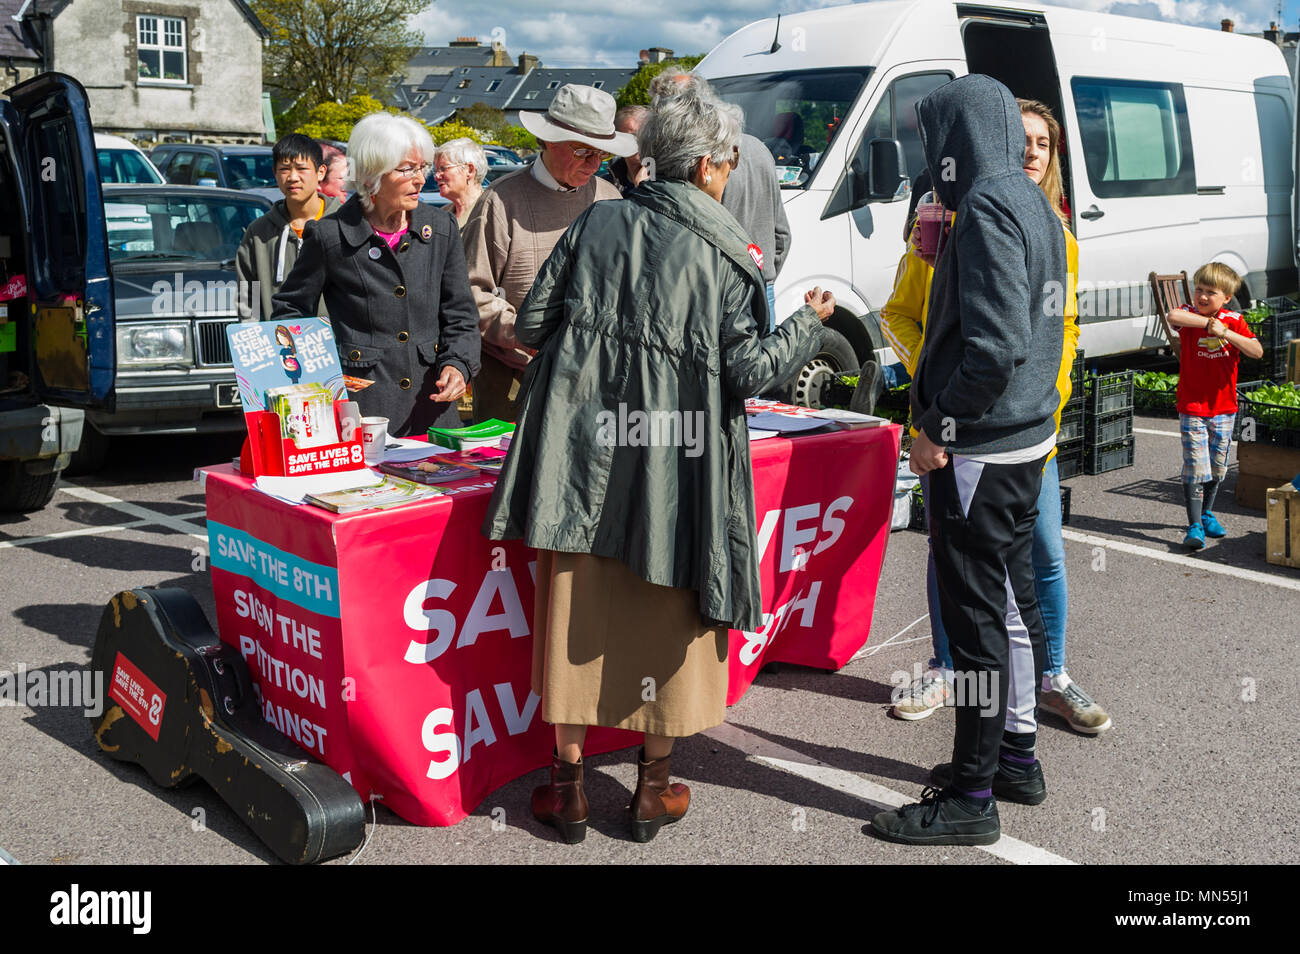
515	225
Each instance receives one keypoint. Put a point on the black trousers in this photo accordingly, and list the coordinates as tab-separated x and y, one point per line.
981	528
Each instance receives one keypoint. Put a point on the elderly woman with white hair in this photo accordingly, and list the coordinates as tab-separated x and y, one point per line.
648	309
459	170
392	273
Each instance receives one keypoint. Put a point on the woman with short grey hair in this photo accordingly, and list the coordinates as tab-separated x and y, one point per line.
392	272
646	552
459	170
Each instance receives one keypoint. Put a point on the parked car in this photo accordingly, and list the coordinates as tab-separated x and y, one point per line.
172	254
1150	185
247	168
501	156
57	353
120	160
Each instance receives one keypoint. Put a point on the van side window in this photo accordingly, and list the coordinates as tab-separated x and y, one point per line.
895	118
1136	137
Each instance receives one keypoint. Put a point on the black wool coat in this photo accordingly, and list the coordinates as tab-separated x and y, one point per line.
399	315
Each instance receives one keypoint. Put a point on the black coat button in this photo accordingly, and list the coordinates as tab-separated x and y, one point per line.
402	336
400	291
354	355
404	384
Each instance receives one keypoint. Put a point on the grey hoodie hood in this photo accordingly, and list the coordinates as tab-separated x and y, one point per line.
970	130
986	379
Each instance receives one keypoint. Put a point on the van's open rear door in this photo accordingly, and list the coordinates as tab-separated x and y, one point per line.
69	286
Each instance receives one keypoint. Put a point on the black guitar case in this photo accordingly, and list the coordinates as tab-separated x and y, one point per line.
184	708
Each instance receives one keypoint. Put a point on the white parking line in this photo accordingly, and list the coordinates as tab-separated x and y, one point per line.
135	510
769	753
1253	576
81	532
1146	430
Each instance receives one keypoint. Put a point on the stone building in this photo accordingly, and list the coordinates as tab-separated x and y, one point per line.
155	69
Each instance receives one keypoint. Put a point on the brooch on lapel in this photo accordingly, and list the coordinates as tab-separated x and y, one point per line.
426	233
374	253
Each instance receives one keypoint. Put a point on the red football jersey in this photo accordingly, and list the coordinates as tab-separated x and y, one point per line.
1207	376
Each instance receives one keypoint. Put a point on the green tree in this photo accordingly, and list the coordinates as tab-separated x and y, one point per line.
335	121
492	122
330	50
637	90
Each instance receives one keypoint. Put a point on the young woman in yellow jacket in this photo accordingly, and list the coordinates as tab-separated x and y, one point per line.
903	322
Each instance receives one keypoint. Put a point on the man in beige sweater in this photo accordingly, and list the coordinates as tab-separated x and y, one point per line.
516	224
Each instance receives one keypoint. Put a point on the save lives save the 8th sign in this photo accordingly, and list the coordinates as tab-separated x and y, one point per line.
396	645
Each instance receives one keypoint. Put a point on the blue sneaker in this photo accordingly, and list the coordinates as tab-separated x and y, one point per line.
1195	538
1210	524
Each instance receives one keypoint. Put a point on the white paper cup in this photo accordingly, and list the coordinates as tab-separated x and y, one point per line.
374	435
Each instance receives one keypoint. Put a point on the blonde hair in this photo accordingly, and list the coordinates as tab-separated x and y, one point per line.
1218	276
1051	182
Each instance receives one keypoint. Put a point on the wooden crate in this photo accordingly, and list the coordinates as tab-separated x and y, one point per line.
1293	361
1261	467
1282	546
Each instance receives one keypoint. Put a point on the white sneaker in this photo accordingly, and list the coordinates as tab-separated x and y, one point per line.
926	694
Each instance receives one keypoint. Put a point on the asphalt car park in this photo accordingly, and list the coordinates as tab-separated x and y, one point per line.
1190	653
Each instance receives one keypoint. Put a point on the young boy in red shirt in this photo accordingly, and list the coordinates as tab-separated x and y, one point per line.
1212	338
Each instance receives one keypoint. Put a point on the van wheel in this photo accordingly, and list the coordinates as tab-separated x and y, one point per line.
836	356
90	453
20	491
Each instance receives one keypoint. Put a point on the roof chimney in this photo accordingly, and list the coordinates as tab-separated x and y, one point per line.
527	62
1225	25
1271	34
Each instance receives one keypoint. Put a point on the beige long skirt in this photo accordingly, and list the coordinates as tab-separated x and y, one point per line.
611	649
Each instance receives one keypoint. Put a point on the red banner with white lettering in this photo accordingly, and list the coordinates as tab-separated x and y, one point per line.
396	645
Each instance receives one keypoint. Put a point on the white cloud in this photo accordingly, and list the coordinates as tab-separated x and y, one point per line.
579	33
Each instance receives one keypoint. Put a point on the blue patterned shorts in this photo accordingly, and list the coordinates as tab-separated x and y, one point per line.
1205	446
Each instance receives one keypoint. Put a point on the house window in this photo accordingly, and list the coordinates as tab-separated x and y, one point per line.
454	99
599	84
553	84
160	49
463	84
492	86
531	94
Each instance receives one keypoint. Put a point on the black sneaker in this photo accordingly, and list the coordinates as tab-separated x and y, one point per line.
939	818
1011	782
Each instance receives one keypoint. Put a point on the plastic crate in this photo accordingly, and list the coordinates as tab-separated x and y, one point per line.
1076	379
1069	459
1071	425
1275	424
1286	328
837	392
917	521
1110	392
1155	403
1102	429
1065	505
895	405
1104	458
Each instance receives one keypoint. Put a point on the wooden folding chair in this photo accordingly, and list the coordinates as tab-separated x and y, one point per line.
1168	292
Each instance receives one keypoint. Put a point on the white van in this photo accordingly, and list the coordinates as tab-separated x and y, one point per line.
1179	149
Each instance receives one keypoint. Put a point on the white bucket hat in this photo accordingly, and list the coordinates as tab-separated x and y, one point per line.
580	114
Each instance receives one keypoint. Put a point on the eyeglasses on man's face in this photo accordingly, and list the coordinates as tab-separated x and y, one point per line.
584	153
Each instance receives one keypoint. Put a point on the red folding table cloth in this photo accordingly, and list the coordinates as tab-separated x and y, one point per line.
394	645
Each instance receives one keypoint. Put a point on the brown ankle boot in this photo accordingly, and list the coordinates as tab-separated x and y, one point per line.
563	802
656	802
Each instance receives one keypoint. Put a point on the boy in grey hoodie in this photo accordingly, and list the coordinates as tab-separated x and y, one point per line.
270	245
983	399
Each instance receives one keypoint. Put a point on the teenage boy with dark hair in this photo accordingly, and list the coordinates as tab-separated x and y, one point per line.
270	245
984	398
